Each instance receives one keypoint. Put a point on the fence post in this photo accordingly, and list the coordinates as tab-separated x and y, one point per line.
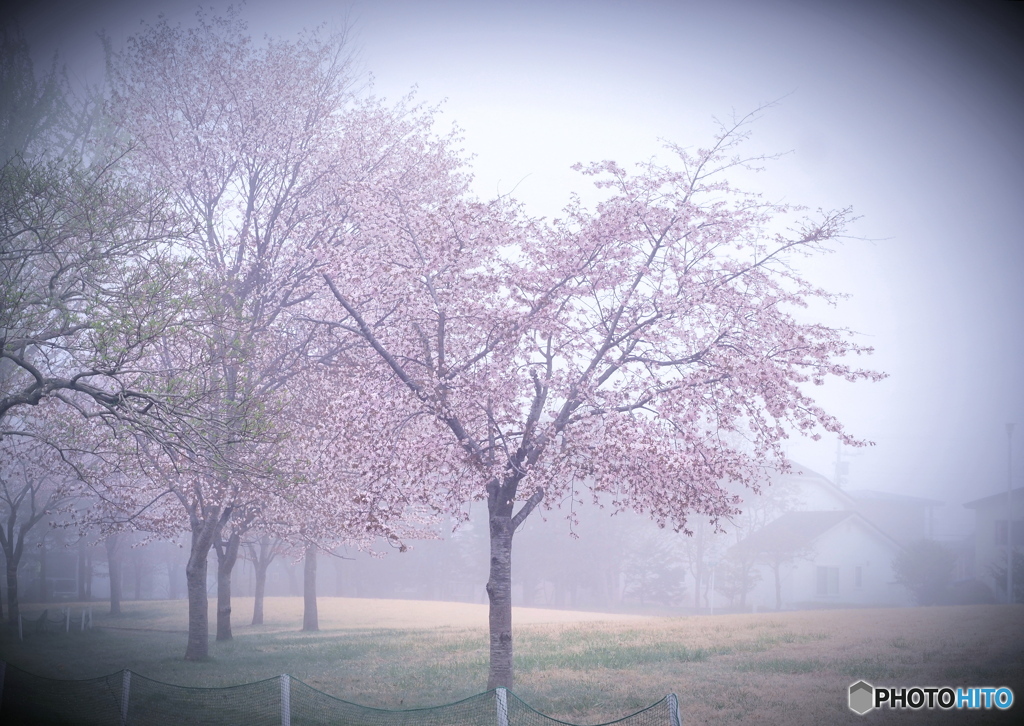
286	700
67	620
83	620
126	684
21	633
673	710
501	698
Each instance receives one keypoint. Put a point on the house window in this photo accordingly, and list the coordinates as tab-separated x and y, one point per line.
858	577
828	581
1018	532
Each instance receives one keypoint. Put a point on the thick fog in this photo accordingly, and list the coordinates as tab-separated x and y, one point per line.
909	112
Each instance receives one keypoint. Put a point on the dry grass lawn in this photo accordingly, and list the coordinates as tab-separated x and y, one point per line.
768	668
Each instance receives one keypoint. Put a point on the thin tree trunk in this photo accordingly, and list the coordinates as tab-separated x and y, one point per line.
112	544
261	559
310	620
227	556
261	589
88	574
137	572
12	592
83	568
44	594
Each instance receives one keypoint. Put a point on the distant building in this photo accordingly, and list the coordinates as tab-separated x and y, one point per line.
991	515
834	547
904	518
824	559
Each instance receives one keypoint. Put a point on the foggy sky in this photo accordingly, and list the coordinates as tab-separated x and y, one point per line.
910	112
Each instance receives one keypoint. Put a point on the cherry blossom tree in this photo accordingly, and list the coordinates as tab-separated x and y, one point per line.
86	283
650	348
257	158
37	480
261	551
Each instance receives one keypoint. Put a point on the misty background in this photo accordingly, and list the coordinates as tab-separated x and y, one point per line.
910	112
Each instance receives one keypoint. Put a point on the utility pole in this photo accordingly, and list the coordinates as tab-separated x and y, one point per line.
1009	512
842	468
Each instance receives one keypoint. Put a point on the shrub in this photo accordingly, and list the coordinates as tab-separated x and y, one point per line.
926	569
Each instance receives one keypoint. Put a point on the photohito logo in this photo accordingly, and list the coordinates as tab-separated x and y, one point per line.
864	697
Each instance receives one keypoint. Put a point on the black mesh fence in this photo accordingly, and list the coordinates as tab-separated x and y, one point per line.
128	699
56	621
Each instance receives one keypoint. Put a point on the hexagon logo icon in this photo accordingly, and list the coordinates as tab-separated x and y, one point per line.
862	696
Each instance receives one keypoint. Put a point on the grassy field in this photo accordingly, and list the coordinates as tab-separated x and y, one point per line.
772	668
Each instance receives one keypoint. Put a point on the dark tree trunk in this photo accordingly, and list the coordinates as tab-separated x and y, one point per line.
227	556
261	560
310	620
112	544
12	592
198	617
204	533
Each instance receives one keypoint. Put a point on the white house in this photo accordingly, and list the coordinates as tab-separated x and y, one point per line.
991	515
830	547
831	558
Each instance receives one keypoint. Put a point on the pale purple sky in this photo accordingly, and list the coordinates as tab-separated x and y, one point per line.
908	111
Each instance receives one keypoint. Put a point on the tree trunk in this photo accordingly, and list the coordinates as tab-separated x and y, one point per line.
778	586
499	593
83	571
310	620
500	499
227	556
137	573
261	559
12	593
112	544
261	588
44	591
204	531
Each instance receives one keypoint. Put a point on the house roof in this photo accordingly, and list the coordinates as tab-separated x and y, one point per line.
798	530
890	497
807	476
994	500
